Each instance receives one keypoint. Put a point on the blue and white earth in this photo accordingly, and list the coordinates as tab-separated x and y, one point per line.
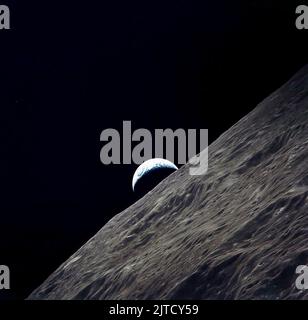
150	173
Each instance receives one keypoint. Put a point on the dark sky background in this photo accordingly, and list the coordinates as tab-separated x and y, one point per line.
72	69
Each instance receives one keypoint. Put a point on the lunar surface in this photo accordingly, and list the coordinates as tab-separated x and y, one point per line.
237	232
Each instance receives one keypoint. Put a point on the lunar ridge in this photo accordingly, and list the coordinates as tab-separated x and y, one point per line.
237	232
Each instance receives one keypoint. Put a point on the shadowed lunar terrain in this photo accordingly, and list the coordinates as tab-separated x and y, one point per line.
238	232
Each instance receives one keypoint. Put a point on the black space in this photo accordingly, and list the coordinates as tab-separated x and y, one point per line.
73	68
